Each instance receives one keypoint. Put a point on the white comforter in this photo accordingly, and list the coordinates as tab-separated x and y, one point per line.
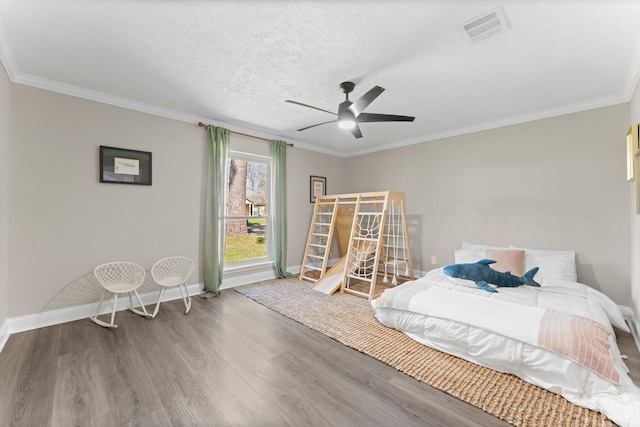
558	337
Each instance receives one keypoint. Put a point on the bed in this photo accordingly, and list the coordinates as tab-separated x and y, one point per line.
559	336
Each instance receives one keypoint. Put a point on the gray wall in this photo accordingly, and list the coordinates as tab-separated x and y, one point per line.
5	113
635	220
64	222
301	164
558	183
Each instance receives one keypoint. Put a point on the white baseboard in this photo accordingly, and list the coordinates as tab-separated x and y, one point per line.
69	314
54	317
632	321
4	334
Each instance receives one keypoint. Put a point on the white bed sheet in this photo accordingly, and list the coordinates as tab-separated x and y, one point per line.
424	318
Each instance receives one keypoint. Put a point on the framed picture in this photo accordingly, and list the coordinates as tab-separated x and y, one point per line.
637	174
632	149
123	166
318	187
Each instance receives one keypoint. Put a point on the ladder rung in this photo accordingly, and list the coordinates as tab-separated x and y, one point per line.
351	291
320	234
311	267
364	279
311	279
315	256
316	245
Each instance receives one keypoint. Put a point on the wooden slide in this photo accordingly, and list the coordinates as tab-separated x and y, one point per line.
332	279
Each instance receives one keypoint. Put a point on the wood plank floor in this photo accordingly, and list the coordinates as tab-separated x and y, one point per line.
230	362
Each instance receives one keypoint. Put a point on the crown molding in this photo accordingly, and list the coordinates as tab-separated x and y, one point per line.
633	78
509	121
8	61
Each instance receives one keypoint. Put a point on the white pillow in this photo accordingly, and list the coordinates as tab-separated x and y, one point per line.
558	265
475	246
468	256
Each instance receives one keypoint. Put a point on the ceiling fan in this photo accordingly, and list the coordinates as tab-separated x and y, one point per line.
351	113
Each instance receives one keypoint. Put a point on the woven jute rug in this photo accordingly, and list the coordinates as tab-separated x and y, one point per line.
350	320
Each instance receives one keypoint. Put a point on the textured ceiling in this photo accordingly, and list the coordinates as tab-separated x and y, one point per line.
234	63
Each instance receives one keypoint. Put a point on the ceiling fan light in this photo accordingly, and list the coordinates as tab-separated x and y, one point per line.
346	124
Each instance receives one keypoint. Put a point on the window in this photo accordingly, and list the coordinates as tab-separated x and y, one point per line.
247	217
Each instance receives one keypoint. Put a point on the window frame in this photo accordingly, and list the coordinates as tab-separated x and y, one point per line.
268	258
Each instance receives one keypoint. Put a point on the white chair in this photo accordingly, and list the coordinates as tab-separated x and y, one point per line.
119	278
173	271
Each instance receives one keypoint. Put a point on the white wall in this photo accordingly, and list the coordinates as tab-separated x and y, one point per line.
635	220
5	121
558	183
63	222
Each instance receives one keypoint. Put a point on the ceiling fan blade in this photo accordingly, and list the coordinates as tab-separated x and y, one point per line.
371	117
358	107
356	131
310	106
318	124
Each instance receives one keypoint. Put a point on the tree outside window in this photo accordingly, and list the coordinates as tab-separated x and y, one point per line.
247	209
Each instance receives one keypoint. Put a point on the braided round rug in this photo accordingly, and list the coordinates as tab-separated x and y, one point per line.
349	320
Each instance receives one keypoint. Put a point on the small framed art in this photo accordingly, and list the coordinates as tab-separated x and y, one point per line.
632	148
318	187
124	166
636	166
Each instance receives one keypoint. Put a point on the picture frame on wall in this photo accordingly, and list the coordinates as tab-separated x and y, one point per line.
125	166
318	187
637	174
632	149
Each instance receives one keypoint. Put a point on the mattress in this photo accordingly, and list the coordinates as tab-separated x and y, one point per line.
559	337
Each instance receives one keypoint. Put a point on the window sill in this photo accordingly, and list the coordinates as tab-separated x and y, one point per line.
260	265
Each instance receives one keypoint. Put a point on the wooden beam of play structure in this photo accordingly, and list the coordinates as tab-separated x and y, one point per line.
373	237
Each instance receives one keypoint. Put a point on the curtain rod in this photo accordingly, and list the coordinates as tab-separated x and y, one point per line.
204	125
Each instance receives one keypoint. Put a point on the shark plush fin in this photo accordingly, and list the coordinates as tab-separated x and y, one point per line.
528	277
485	286
486	261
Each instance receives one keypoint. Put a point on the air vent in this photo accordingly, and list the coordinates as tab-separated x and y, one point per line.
486	25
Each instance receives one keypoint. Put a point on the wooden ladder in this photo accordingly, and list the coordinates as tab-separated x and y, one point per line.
316	254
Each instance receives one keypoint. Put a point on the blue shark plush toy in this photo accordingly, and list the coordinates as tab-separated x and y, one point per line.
482	274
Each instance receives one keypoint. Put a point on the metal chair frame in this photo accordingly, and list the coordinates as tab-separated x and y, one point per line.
173	271
119	278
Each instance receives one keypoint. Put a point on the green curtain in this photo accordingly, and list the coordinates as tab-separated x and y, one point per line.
216	202
279	207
